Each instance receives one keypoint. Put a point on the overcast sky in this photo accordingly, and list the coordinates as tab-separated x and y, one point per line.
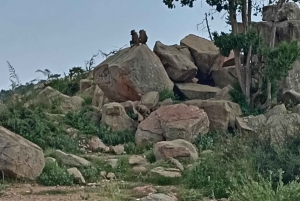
60	34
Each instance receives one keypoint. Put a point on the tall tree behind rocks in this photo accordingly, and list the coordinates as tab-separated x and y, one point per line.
130	73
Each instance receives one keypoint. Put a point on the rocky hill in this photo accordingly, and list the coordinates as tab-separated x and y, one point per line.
148	125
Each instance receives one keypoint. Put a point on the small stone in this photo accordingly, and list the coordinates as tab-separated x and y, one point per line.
144	190
111	176
177	164
77	175
139	169
103	174
118	149
137	160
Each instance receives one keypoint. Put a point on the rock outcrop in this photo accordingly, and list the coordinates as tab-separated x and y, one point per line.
114	116
172	122
131	73
206	54
178	65
20	158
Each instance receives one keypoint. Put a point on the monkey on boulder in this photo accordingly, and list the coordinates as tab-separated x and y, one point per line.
134	38
143	36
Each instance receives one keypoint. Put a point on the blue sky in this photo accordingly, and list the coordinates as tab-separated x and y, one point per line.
60	34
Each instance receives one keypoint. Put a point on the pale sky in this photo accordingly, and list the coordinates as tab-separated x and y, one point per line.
60	34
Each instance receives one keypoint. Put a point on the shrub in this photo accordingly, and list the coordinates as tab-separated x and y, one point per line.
165	94
54	175
248	189
90	173
34	126
238	97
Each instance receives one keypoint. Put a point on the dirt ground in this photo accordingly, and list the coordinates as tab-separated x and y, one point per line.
28	192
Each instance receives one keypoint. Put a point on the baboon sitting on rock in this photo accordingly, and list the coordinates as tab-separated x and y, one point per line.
137	39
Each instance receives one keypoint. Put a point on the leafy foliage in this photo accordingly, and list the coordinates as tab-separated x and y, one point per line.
248	189
279	60
34	126
54	175
228	42
238	97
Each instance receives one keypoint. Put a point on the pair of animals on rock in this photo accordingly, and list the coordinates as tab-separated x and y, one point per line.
137	39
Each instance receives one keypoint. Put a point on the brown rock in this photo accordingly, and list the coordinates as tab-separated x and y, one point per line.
139	169
130	73
137	160
221	113
165	172
225	76
178	66
224	94
144	190
77	175
118	149
150	99
95	144
178	149
205	53
98	97
114	115
172	122
85	84
197	91
110	176
20	158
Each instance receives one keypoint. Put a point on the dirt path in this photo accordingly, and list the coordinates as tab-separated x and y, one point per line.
28	192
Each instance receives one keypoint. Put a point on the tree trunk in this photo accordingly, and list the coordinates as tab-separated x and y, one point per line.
272	44
237	55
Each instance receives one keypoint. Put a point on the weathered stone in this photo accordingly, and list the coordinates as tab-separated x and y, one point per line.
130	73
221	113
139	169
288	11
51	97
178	66
118	149
225	76
224	94
206	54
85	84
95	144
165	172
144	190
158	197
19	158
278	109
114	115
137	160
292	81
70	159
280	127
177	164
251	124
172	122
98	97
150	99
110	176
290	96
197	91
77	175
178	149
